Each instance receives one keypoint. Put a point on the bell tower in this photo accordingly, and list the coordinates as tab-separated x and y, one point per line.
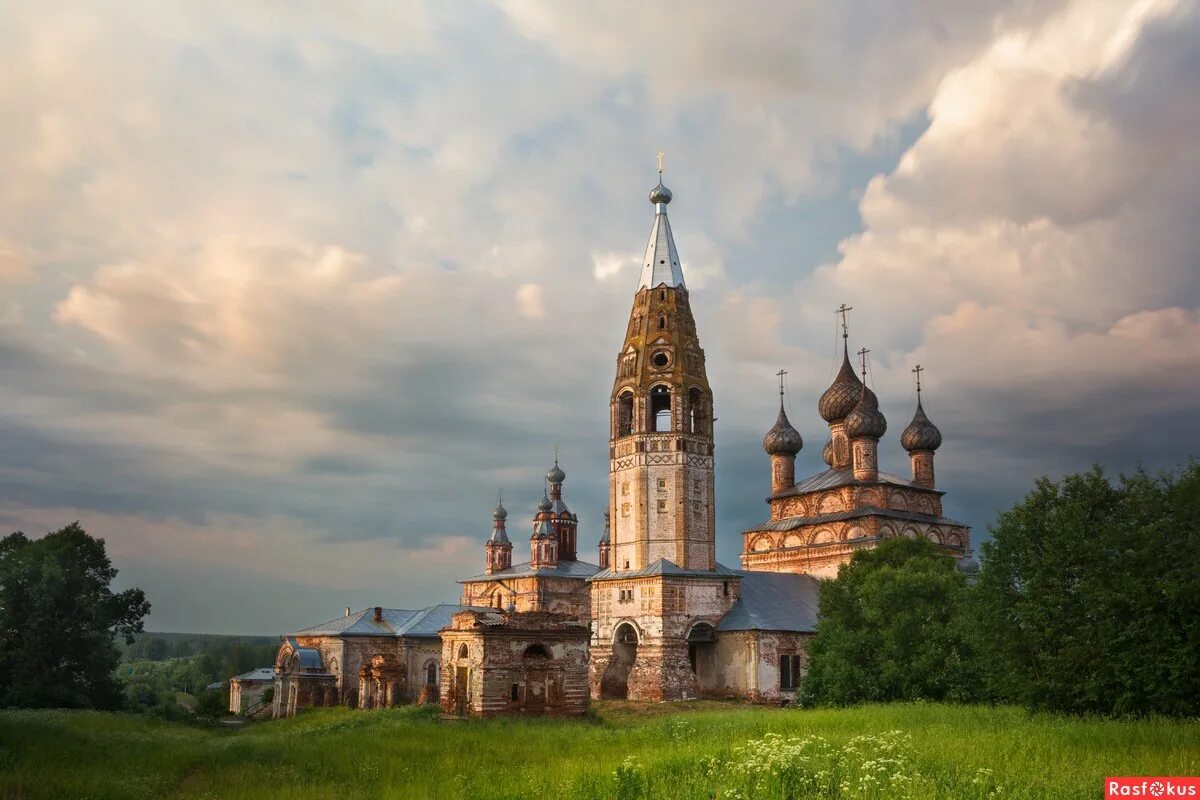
656	607
661	444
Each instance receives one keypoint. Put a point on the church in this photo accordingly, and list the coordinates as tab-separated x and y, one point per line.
656	617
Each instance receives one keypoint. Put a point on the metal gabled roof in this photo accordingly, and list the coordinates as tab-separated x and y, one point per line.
562	569
832	478
774	601
664	567
260	674
395	622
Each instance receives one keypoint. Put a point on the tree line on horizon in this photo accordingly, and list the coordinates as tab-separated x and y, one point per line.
1087	600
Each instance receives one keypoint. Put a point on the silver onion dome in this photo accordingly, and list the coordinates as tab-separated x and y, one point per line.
921	434
555	474
660	194
501	513
544	504
843	394
782	439
866	420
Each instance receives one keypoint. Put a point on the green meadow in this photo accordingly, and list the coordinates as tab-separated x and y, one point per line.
689	750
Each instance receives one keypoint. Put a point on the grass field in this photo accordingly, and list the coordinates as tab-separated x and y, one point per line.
697	750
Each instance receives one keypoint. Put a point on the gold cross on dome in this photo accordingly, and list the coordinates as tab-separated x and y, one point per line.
660	159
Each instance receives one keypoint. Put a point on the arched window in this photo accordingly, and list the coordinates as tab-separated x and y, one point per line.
463	652
660	408
431	674
625	414
626	634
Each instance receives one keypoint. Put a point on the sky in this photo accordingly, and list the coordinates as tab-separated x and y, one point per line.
288	291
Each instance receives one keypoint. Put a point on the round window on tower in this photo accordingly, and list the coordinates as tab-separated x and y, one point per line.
661	360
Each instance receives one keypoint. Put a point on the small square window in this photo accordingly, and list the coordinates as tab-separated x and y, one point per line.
662	483
662	506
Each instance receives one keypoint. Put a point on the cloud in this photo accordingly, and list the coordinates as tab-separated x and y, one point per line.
315	284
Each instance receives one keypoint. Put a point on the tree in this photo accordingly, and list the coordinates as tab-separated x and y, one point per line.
1088	599
891	627
58	620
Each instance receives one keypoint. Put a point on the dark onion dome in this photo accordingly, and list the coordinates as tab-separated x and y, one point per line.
866	420
843	394
660	194
921	434
782	439
827	452
544	504
555	474
501	513
968	565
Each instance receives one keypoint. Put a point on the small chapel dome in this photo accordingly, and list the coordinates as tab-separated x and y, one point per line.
782	439
921	434
842	395
866	420
660	194
555	474
544	504
501	513
827	452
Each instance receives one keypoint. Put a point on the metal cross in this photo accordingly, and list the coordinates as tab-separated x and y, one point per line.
660	158
556	455
863	353
917	370
781	373
842	309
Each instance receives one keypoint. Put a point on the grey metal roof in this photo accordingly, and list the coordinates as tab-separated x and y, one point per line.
563	569
792	523
394	622
661	264
832	478
260	674
662	567
774	601
310	658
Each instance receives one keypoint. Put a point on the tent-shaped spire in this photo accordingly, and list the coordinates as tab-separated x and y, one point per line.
661	264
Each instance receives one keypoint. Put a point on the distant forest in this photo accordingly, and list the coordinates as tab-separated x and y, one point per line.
168	673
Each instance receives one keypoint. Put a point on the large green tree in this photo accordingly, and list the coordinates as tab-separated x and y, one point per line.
1088	599
891	627
58	621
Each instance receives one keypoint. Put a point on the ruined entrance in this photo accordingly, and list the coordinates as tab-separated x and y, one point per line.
702	652
615	682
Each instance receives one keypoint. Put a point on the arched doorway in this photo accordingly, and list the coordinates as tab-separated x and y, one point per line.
615	682
702	647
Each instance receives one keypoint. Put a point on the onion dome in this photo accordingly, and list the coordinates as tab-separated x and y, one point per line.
827	452
544	504
866	420
782	439
968	565
921	434
843	394
501	513
660	194
556	475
